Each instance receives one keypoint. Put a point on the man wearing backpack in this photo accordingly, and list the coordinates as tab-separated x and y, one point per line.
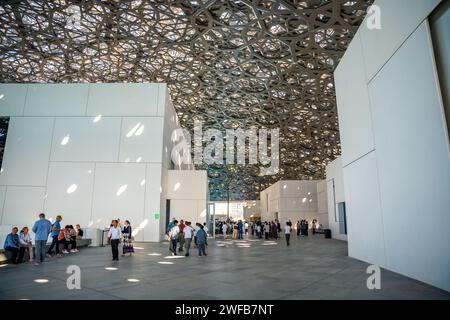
56	229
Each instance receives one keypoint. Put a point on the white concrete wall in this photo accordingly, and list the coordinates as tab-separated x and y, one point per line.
101	138
335	195
397	165
322	204
188	194
293	200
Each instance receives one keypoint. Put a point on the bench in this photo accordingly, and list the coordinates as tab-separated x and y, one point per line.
81	243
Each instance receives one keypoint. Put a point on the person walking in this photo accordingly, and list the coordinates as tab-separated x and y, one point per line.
287	233
25	244
173	236
41	229
12	245
201	241
56	229
181	239
114	236
188	234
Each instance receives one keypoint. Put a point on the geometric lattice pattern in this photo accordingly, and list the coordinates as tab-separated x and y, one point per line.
248	64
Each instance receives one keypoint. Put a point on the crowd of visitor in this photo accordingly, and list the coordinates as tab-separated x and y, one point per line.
17	243
181	235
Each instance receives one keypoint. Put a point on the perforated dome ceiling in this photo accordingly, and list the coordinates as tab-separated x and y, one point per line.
248	64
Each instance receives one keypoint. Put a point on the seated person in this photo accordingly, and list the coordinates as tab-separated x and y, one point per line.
12	244
70	236
25	244
80	232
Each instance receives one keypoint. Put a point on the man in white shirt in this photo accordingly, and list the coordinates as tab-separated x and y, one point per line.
188	234
173	235
114	235
224	230
287	232
266	230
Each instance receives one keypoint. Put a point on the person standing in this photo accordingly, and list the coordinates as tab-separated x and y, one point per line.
297	226
235	231
25	244
306	229
127	234
114	235
201	241
188	233
12	245
224	230
173	235
181	225
287	232
274	230
259	230
278	228
56	228
266	230
240	227
313	226
41	229
246	228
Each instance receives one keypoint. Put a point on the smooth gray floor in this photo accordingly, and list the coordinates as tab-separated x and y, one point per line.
312	268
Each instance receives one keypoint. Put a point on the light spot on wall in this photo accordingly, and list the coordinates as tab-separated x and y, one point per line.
133	130
65	140
121	190
97	118
72	188
140	130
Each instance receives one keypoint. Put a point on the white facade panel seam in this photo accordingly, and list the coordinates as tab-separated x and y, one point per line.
393	54
25	100
48	164
93	192
120	140
439	87
381	211
3	205
359	158
144	207
87	100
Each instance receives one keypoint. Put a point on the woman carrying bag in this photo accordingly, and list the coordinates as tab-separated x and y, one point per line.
127	239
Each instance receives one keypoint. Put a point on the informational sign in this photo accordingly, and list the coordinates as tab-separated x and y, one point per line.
156	216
